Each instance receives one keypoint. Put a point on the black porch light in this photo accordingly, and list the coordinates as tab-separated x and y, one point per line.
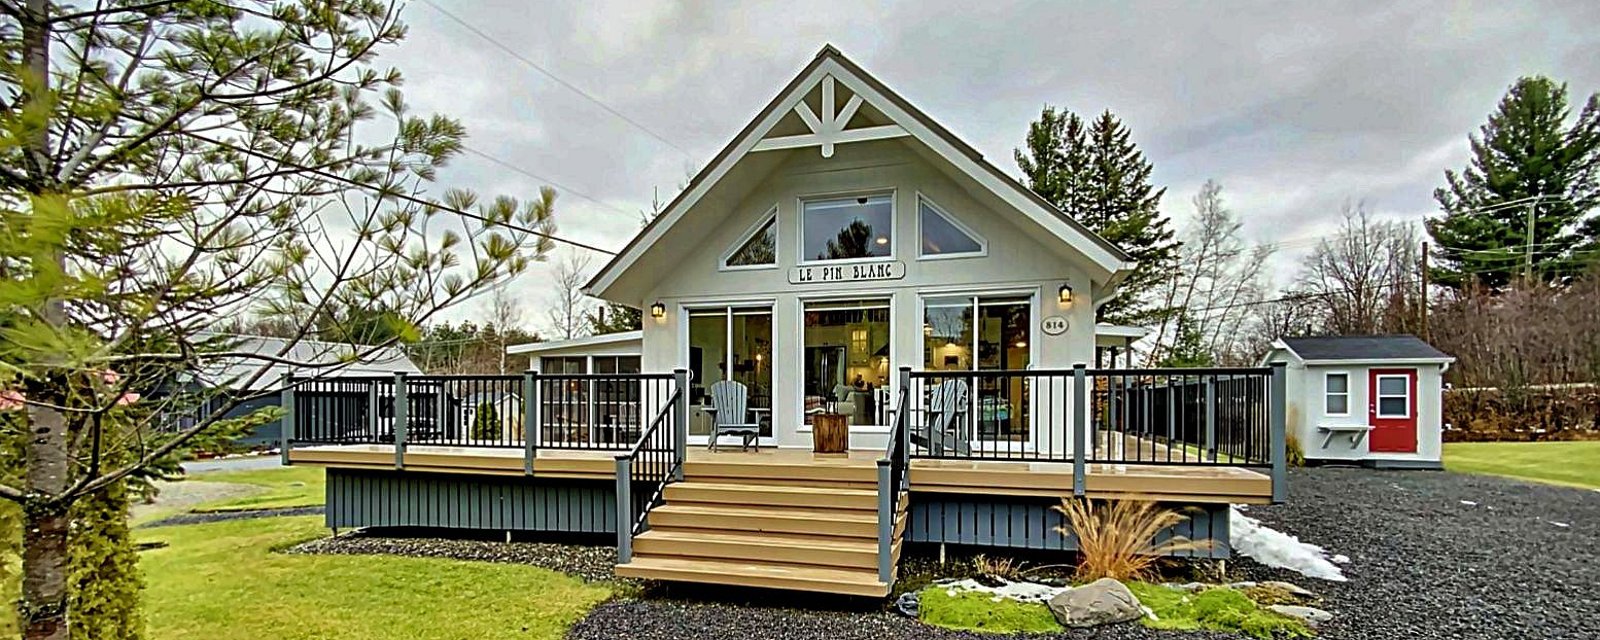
658	311
1065	294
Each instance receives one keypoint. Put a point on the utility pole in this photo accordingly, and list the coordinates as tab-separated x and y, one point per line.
1527	263
1427	335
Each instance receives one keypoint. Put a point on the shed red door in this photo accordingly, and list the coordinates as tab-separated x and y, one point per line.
1392	410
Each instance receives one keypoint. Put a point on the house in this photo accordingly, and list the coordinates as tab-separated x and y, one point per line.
844	259
1373	400
237	376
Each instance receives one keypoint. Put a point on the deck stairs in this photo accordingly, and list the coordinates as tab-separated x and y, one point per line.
781	526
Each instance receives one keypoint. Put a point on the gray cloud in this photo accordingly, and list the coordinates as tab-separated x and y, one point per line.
1295	108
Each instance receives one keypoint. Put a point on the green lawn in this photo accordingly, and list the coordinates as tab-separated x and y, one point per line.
221	581
283	488
1573	464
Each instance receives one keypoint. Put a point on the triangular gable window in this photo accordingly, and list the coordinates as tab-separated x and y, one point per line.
942	236
760	248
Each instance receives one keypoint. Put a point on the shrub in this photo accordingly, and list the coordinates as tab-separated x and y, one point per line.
1297	453
486	422
1117	538
1007	568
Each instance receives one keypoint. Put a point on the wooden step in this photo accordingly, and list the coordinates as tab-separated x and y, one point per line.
799	474
825	551
771	495
756	574
822	522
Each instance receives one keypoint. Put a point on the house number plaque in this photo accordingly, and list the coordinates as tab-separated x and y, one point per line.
1054	325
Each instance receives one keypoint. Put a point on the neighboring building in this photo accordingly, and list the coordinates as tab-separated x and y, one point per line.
238	375
843	256
1375	400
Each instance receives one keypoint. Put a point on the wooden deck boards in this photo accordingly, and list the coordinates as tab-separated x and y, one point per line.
1210	484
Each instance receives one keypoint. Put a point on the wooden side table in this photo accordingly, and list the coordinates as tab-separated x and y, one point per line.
830	434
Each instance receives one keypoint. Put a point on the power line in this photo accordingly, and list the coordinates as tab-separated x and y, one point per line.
547	73
399	196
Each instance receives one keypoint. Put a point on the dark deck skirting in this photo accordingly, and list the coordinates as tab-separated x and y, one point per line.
1030	523
365	498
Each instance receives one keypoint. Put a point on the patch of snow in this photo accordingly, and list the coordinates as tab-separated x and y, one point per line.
1469	503
1563	525
1340	558
1019	591
1277	549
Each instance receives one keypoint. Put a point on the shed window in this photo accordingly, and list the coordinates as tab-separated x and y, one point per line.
1336	394
847	228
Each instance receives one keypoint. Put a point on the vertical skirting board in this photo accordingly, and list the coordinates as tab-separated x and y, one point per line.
1024	523
369	498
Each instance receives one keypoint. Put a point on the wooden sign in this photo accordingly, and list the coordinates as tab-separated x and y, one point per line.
1054	325
862	272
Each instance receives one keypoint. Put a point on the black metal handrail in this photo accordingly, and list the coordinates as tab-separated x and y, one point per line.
655	460
893	478
596	411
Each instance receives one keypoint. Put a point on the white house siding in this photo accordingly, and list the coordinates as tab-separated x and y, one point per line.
1018	262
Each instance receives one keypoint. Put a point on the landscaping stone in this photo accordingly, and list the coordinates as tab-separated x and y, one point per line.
909	605
1289	588
1313	616
240	514
1104	601
590	562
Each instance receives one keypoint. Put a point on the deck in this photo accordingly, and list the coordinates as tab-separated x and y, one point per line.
1158	482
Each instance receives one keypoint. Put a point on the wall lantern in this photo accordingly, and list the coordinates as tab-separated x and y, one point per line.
1066	294
658	311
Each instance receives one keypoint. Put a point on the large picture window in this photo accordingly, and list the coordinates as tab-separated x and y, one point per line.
730	343
970	333
847	360
847	228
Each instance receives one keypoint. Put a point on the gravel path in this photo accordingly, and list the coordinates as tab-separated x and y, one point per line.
240	514
588	562
1423	564
1426	564
182	494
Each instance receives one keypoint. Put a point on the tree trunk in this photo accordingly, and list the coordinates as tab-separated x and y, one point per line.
44	522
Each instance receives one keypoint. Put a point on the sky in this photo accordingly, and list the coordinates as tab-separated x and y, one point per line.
1295	108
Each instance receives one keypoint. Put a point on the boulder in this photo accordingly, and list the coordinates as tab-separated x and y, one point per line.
1289	588
1311	615
909	604
1104	601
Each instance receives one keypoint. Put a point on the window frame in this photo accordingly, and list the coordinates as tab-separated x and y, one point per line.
983	243
800	224
1378	395
1326	393
770	217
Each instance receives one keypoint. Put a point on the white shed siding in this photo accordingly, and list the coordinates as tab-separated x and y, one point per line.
1306	410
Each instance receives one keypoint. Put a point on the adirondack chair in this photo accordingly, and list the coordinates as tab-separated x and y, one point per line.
731	415
942	428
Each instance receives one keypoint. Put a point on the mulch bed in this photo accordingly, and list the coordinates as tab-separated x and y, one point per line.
589	562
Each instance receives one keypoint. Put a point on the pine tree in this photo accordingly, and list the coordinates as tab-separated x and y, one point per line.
1528	169
1097	174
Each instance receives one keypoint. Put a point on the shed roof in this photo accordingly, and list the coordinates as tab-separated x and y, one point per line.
1363	348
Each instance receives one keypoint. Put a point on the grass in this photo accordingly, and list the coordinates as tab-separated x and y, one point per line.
284	487
977	611
221	581
1219	609
1573	464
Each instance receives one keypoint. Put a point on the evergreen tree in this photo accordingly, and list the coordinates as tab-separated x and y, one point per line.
1097	174
615	318
1190	348
1521	204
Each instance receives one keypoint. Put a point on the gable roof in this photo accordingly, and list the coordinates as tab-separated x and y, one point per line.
830	62
1363	349
332	359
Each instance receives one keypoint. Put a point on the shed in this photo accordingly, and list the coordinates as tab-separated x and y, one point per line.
1373	400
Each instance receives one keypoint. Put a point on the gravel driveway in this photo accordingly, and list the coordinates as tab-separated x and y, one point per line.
1423	564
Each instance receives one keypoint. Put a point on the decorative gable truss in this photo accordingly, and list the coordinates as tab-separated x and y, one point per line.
829	128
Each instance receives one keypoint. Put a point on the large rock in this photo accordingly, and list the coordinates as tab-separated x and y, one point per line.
1104	601
1311	615
1289	588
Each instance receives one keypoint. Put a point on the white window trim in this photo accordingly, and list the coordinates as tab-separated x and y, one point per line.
728	308
1034	298
1326	393
983	243
1378	396
800	381
770	216
800	225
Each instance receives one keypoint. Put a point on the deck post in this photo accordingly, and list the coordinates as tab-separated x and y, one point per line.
905	420
1279	434
886	499
400	418
624	509
680	423
374	416
530	420
286	424
1080	424
1211	418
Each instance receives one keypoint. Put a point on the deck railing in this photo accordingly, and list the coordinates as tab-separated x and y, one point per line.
654	461
894	477
1194	417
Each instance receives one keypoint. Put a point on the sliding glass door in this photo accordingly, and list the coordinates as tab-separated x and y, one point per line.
730	343
976	333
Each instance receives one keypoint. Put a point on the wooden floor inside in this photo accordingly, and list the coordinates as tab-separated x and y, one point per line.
1169	483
